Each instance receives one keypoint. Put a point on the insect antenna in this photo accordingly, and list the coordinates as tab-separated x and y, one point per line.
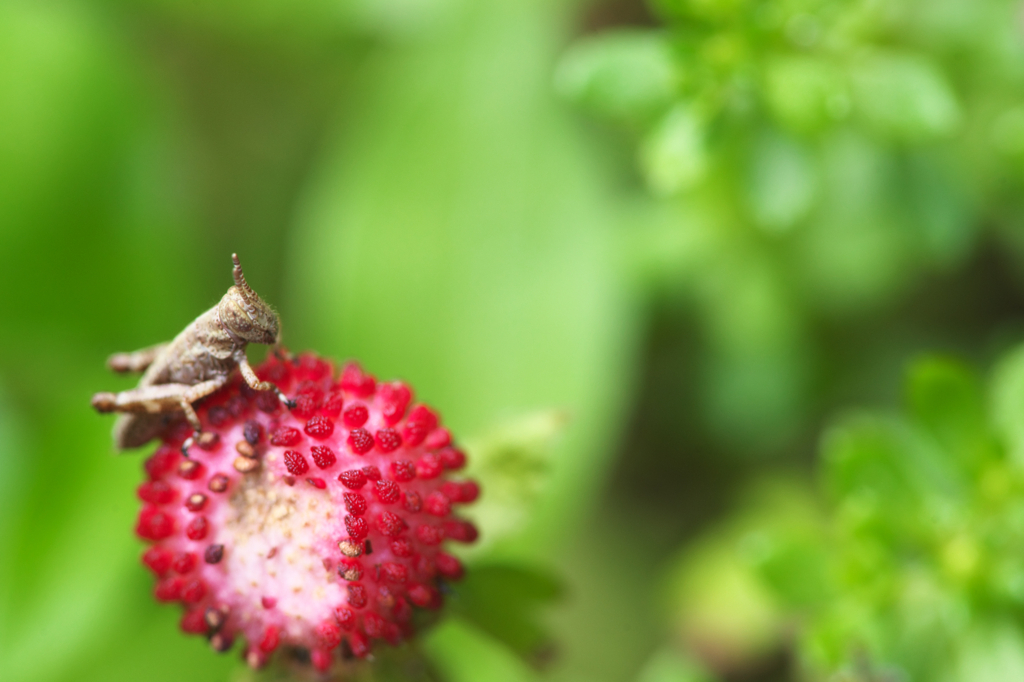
240	278
249	296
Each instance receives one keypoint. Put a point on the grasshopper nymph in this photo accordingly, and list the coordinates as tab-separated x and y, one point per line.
195	364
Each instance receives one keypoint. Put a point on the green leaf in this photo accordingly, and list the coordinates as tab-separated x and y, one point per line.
734	590
946	398
857	249
904	95
944	211
865	455
1007	403
465	654
782	182
674	156
505	601
512	464
627	76
805	93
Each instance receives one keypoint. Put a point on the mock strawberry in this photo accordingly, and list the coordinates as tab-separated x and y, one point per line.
317	528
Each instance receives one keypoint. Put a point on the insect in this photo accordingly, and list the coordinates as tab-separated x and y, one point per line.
195	364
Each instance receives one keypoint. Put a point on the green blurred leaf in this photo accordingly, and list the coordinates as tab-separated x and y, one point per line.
904	95
465	654
943	208
727	592
946	397
627	76
782	183
857	249
805	93
506	602
1007	403
864	456
512	464
674	155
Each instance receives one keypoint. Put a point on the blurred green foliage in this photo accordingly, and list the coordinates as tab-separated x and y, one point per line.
817	160
638	328
905	562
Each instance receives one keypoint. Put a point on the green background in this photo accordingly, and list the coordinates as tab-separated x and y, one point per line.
631	253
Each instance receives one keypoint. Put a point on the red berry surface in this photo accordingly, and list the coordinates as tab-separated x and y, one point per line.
318	527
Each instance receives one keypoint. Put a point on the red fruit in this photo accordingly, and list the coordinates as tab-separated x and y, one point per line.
437	504
333	403
359	644
403	471
387	492
271	638
157	492
355	416
195	502
429	466
438	438
154	524
307	401
449	566
295	463
184	563
452	458
355	503
356	382
421	421
321	659
286	436
197	528
354	479
323	456
394	398
241	536
319	427
360	441
161	462
388	440
357	595
158	559
346	618
411	501
401	547
356	527
194	623
421	595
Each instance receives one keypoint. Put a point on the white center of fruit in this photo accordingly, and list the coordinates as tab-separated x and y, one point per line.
276	538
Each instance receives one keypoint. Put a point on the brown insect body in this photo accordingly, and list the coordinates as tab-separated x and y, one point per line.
195	364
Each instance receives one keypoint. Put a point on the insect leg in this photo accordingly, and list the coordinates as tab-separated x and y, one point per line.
254	381
136	361
190	396
158	399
